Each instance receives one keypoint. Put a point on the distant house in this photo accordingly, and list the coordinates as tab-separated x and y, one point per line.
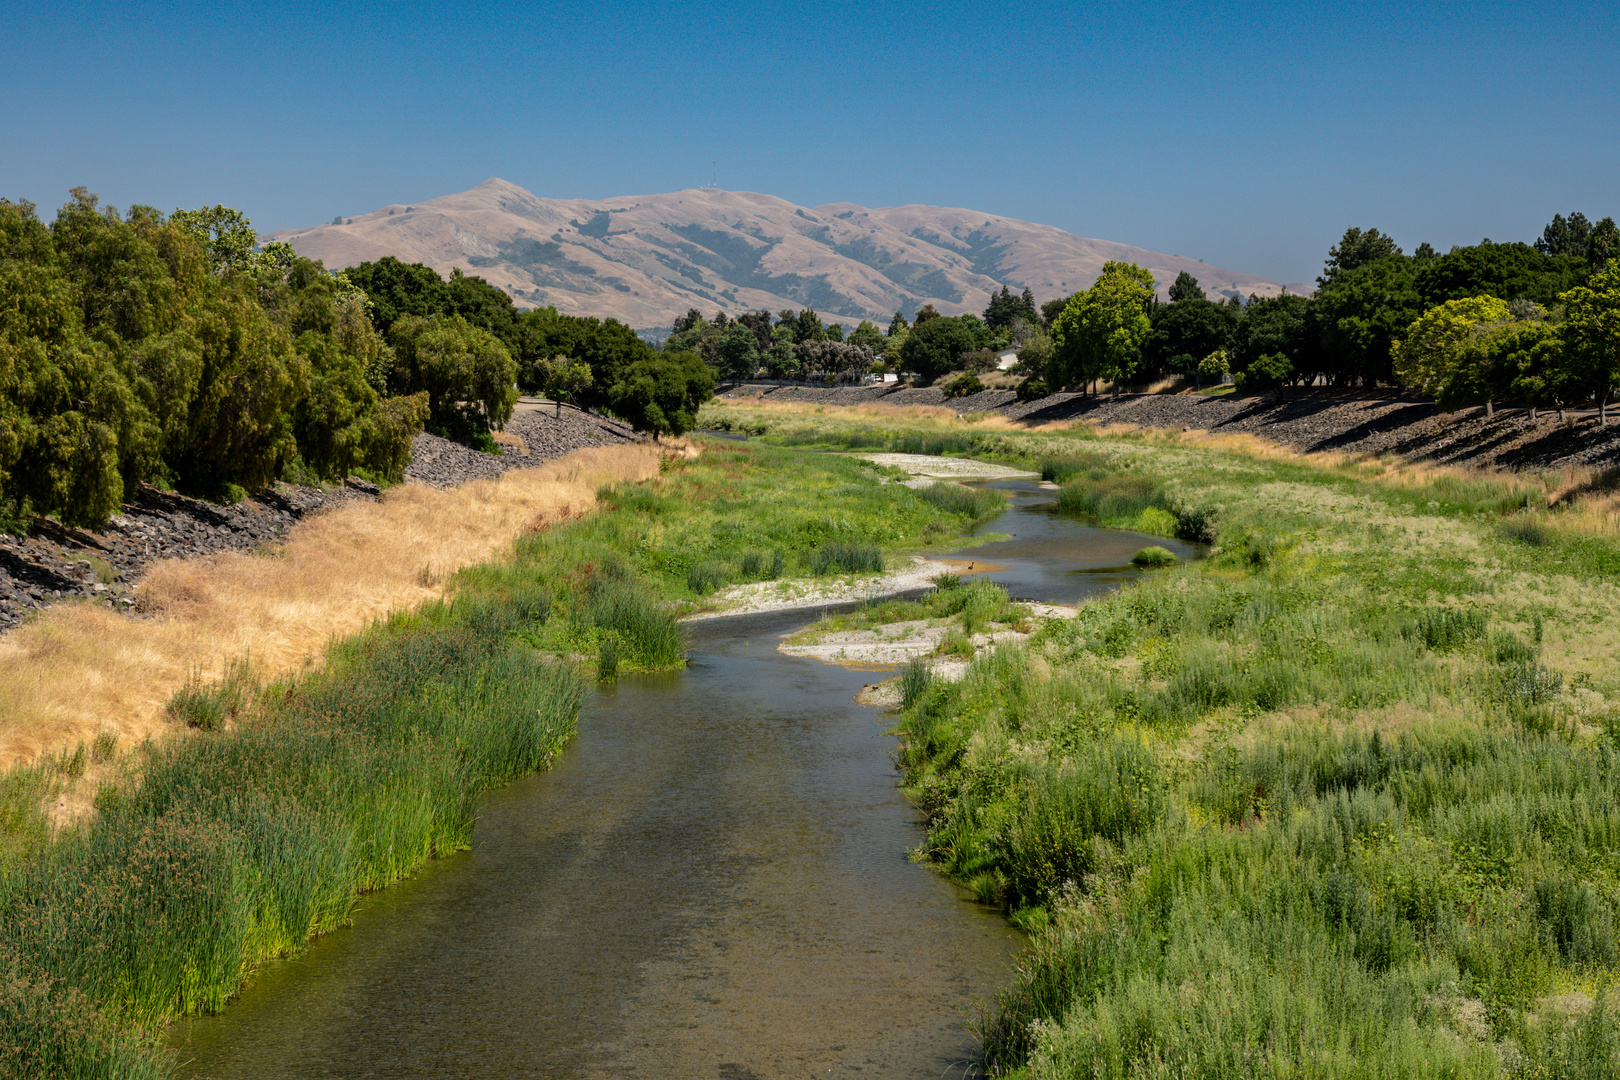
1006	358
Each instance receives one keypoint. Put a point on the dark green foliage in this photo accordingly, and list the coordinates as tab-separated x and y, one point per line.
1526	531
915	679
662	393
935	346
138	348
1191	328
1269	372
1032	388
963	385
846	557
975	504
757	567
1004	307
466	373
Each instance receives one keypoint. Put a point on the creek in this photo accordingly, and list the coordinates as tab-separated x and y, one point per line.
711	882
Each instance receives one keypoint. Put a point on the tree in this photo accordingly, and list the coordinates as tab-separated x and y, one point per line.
835	332
1053	308
1185	287
934	346
562	378
736	353
686	322
868	335
1429	359
1591	333
807	327
225	234
465	371
1356	249
1356	318
1100	333
662	394
926	313
1603	244
1565	236
1270	325
1506	271
1191	327
898	323
1268	372
1004	307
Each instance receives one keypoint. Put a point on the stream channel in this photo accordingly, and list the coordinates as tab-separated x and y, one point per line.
712	881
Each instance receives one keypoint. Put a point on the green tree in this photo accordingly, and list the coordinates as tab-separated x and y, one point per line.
1270	325
934	346
867	334
1190	327
924	314
898	323
662	394
1357	317
1565	236
1269	372
1354	250
1185	287
736	355
1591	333
465	371
1429	358
1603	244
1100	333
225	234
562	378
1506	271
807	327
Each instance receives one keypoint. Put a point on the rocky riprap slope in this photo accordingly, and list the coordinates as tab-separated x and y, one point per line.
544	435
57	563
1320	420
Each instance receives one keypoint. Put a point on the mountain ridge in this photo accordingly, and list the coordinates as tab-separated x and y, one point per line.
646	259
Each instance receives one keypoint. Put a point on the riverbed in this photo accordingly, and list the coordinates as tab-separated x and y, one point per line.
712	881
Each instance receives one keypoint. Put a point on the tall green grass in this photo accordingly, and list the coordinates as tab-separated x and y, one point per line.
1215	900
236	846
973	504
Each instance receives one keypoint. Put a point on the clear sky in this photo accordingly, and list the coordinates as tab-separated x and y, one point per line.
1246	134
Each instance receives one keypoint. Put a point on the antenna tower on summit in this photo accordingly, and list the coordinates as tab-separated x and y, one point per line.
714	182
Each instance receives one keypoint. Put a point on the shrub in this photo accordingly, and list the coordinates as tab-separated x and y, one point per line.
1032	389
1526	531
1154	556
963	385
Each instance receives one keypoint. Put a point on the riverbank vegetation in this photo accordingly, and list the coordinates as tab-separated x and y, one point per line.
1338	801
211	852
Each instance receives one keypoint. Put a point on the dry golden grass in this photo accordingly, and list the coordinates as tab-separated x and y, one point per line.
79	670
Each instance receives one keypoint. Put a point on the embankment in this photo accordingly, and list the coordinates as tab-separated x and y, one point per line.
79	671
1315	422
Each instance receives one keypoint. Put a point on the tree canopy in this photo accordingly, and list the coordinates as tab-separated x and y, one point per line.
1101	331
662	393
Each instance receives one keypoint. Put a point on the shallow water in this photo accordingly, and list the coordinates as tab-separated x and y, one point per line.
712	882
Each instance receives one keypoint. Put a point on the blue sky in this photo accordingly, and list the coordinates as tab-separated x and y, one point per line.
1246	134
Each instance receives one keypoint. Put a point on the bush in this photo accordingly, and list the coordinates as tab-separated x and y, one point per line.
209	705
1033	389
1153	557
963	385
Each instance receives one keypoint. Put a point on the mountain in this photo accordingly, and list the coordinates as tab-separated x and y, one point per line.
646	259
